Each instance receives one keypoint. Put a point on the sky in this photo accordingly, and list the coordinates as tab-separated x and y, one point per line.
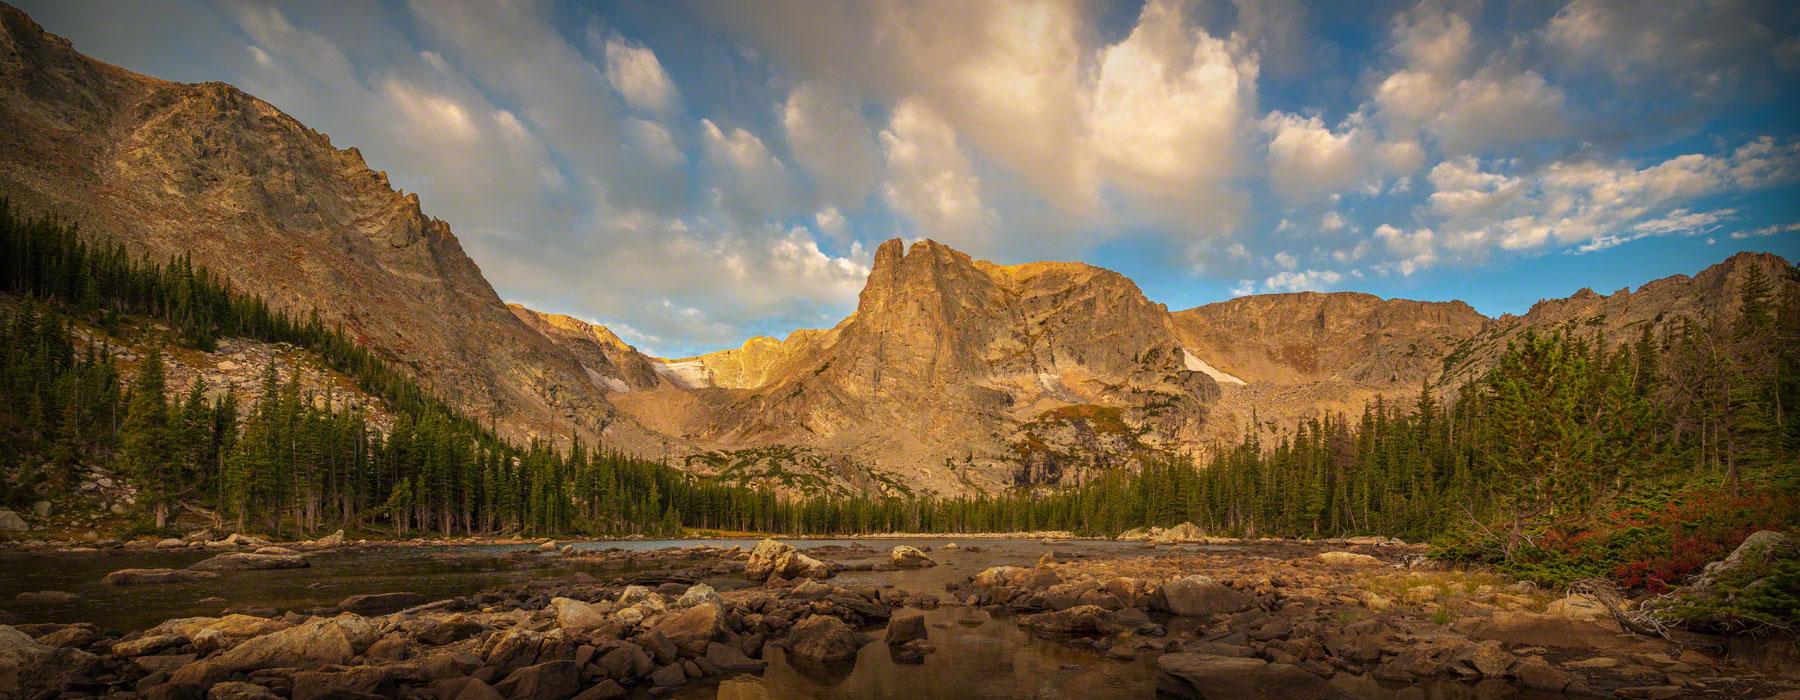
691	174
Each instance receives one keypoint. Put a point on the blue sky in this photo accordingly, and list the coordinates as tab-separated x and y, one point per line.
693	173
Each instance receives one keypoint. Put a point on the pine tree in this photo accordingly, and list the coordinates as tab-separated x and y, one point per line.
146	438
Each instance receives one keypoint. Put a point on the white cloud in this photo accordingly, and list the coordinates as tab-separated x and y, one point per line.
1411	251
751	183
833	143
1303	281
634	71
1594	204
1244	288
1702	48
1766	231
931	181
1433	91
1332	222
1286	260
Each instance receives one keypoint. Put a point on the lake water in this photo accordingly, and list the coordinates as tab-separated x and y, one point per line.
979	655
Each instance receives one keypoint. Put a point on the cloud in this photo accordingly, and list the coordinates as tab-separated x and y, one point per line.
1411	251
1304	281
1701	48
1594	204
634	71
931	181
833	143
750	182
1332	221
1434	91
1766	231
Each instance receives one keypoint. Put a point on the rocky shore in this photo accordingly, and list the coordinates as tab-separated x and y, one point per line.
1288	620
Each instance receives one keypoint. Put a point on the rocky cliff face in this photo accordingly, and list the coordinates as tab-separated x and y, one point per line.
254	195
942	374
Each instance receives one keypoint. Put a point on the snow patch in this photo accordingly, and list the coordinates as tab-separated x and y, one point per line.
1195	364
691	374
616	385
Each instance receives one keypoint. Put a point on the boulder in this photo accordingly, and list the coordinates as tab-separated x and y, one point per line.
11	521
332	540
243	561
823	638
1199	595
1577	607
905	628
771	558
1348	559
700	594
327	685
1200	676
380	603
149	644
1081	619
238	539
172	543
999	576
517	648
608	689
576	616
129	577
668	676
1484	660
1185	532
551	680
233	690
909	558
693	629
19	654
47	597
627	661
548	547
730	660
1535	672
42	509
307	646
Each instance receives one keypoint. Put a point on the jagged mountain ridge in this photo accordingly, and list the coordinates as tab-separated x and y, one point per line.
953	375
208	170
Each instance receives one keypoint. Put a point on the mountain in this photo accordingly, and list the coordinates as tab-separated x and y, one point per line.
207	170
953	375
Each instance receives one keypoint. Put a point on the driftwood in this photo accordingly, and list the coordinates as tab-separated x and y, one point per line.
1607	595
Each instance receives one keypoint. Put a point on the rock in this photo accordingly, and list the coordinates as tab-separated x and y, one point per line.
1535	672
1577	607
389	648
326	685
1484	660
517	648
998	576
608	689
811	590
1198	676
692	630
823	638
905	628
242	561
380	603
553	680
668	676
450	630
134	576
171	543
627	661
308	646
149	644
1199	595
238	539
1655	692
1185	532
576	616
1348	559
1081	619
332	540
240	691
72	636
699	594
1532	629
11	521
42	509
729	659
772	558
47	597
275	550
909	558
208	641
1419	595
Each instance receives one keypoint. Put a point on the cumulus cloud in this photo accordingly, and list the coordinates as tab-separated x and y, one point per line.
1704	48
931	181
1434	92
1303	281
1595	204
634	71
833	143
